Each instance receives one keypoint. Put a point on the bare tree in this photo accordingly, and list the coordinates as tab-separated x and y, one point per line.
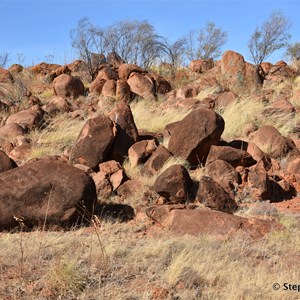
272	35
293	52
4	59
135	41
88	40
207	43
174	53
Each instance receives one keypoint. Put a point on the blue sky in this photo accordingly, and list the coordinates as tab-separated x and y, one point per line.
40	29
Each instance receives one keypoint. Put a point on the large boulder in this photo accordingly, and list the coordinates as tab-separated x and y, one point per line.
106	73
157	160
238	75
224	174
162	86
141	85
127	133
93	142
175	184
125	70
123	92
269	139
192	138
11	131
97	85
109	88
57	104
45	192
29	118
68	86
139	152
212	195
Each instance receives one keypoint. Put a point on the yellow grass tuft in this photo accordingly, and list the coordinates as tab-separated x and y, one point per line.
150	116
61	133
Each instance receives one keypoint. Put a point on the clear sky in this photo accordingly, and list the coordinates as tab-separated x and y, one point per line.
40	30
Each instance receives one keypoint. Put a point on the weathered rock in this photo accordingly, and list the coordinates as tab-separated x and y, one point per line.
195	134
47	192
200	65
127	133
235	157
11	131
273	143
104	188
94	142
6	163
109	88
212	195
107	73
129	189
279	107
237	74
187	92
15	68
278	73
57	104
266	67
123	92
97	85
224	174
258	181
114	172
141	85
114	59
60	70
125	70
162	86
30	118
196	222
139	152
157	160
44	68
225	99
175	184
5	76
68	86
77	65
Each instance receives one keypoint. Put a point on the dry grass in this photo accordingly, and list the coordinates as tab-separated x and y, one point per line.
72	265
248	111
61	133
150	116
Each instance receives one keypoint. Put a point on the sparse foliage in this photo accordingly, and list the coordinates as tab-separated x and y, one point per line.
175	53
272	35
206	43
4	59
293	52
88	39
134	41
